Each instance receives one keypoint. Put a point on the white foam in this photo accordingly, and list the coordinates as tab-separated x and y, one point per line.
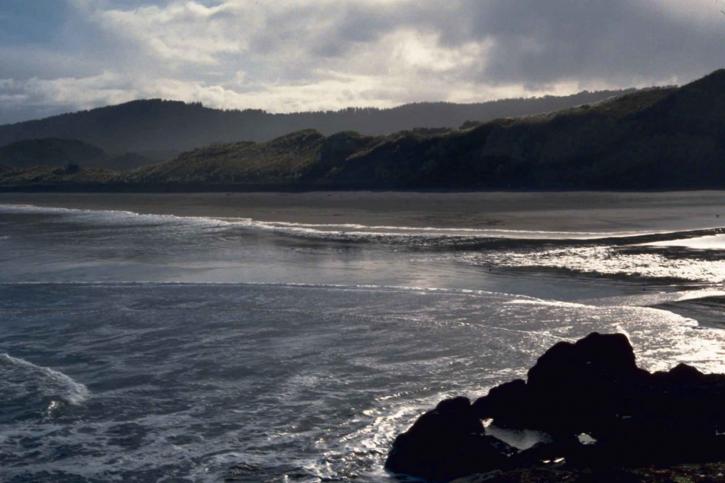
354	229
709	242
48	380
603	260
117	217
328	231
656	298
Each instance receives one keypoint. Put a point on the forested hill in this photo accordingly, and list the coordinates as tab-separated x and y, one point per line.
162	129
659	138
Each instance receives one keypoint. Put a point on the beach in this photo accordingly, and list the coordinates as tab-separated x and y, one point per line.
549	211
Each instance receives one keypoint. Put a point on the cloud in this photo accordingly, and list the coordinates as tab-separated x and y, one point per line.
183	33
616	41
323	54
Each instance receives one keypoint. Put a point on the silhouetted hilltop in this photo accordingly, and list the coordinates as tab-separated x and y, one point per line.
659	138
652	139
697	108
162	129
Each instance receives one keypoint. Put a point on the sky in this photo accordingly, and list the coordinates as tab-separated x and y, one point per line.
298	55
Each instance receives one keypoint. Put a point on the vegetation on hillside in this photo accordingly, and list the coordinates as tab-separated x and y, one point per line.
665	138
162	129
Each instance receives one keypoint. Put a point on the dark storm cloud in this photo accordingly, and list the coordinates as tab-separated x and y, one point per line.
601	40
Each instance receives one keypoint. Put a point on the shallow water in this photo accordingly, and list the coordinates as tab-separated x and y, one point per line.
157	347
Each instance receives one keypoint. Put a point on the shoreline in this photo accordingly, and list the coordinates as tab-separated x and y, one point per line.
605	212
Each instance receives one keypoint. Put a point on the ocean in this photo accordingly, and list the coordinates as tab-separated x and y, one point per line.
165	347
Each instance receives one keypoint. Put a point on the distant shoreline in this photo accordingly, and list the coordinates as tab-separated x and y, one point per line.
596	211
286	188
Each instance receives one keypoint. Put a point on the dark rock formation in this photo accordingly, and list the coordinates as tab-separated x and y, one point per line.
446	443
592	387
572	389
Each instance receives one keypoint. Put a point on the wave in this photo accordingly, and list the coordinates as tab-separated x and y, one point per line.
323	286
471	238
645	300
348	231
355	229
714	241
113	217
605	261
427	236
27	378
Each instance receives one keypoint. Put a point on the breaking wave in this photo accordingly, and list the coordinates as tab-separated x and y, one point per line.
23	379
462	237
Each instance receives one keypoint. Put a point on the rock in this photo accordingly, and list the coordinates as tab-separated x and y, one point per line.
446	443
573	388
595	358
592	386
506	403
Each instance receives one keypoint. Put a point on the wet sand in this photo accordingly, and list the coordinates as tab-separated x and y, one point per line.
548	211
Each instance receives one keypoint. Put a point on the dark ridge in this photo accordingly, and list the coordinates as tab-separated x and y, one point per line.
652	139
161	129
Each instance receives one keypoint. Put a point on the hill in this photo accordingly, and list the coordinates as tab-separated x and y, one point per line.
659	138
282	160
62	152
49	178
49	152
161	129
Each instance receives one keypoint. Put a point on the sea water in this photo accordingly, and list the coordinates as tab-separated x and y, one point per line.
165	348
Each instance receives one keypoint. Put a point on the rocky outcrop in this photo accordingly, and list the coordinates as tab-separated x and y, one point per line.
592	390
446	443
